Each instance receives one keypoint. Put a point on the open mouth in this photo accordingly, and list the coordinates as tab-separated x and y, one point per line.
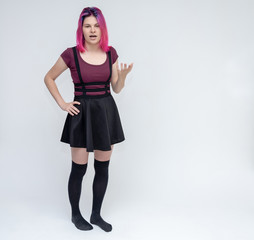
93	37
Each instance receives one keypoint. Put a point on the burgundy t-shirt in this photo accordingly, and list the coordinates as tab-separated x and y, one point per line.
89	72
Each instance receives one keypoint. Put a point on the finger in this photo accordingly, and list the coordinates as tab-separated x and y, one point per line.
74	112
75	102
74	109
130	66
70	113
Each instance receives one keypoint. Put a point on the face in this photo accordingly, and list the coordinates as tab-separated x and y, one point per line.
91	30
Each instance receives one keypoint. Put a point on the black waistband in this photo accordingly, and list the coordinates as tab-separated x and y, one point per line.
84	89
92	96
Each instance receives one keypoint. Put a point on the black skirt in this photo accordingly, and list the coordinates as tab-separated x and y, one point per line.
96	127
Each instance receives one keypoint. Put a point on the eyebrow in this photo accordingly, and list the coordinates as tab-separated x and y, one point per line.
90	24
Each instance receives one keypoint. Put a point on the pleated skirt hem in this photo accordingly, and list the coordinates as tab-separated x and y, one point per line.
94	148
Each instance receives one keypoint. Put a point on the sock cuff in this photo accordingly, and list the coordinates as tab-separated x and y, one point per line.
98	163
79	166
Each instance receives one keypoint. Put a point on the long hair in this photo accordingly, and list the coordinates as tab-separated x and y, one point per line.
80	40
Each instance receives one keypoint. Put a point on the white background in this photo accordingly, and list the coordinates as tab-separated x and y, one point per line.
185	170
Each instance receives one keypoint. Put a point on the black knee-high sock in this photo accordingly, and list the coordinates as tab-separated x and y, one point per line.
99	188
74	191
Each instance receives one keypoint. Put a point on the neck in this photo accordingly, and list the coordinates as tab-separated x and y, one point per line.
92	47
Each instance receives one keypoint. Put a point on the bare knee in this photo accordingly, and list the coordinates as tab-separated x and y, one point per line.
79	155
103	155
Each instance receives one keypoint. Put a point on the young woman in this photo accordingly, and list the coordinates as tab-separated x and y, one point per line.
93	123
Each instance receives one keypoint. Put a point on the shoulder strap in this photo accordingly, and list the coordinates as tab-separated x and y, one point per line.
110	67
77	64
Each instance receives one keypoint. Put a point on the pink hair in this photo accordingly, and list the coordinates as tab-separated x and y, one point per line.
80	40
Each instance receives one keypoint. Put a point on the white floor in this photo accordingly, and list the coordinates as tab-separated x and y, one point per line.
206	199
38	217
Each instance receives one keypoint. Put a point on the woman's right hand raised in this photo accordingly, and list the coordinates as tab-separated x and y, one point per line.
70	108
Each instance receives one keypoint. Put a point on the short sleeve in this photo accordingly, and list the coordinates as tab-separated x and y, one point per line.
113	54
66	56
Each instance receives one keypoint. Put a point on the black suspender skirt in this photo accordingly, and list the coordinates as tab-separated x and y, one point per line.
97	126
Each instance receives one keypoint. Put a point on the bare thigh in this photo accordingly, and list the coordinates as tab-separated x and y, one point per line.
79	155
103	155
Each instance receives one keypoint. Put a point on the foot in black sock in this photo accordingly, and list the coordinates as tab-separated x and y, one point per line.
97	220
81	223
99	188
74	190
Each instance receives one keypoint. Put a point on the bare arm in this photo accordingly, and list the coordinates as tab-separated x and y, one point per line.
119	75
58	68
114	78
